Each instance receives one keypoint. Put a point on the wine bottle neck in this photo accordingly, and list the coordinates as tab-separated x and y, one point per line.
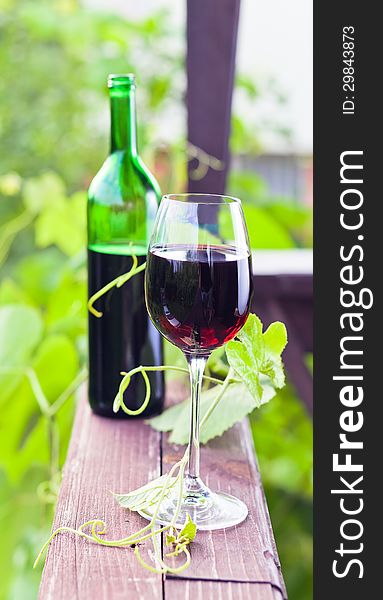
123	120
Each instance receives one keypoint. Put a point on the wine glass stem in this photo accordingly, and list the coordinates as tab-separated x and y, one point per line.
196	369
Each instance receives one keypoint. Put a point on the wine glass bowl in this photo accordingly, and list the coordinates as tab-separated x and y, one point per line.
198	290
198	297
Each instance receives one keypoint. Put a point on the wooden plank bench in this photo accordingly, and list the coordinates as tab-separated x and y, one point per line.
240	562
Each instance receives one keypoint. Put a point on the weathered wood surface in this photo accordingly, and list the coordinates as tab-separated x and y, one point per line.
103	455
245	553
240	562
218	590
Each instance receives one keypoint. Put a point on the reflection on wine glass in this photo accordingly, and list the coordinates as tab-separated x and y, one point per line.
198	290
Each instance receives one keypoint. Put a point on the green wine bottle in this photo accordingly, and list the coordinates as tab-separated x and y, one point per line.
122	203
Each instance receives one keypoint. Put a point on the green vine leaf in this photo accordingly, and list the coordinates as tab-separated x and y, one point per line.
245	355
147	495
189	530
235	404
167	419
183	539
256	353
63	224
275	340
43	192
21	329
170	539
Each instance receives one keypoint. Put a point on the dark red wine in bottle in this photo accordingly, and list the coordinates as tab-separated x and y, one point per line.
122	203
199	297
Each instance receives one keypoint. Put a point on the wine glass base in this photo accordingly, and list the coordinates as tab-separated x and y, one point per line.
222	511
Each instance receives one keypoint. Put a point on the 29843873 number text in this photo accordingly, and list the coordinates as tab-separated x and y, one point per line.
348	70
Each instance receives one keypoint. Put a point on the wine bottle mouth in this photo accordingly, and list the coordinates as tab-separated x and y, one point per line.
124	80
202	198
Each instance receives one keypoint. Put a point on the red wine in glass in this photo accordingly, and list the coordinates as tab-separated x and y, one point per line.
199	296
198	290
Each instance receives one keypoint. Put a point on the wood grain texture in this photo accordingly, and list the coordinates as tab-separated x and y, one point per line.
103	455
247	552
240	562
219	590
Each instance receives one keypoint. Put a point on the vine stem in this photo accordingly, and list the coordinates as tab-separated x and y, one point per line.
171	368
47	409
150	531
164	567
67	393
119	399
118	282
137	537
205	161
47	490
11	229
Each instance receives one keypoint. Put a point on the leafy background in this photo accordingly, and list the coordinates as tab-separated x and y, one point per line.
55	56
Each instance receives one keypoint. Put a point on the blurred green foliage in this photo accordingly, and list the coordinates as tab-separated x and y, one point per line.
273	222
42	352
283	439
55	57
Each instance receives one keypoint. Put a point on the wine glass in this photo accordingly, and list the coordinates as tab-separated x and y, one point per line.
198	289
